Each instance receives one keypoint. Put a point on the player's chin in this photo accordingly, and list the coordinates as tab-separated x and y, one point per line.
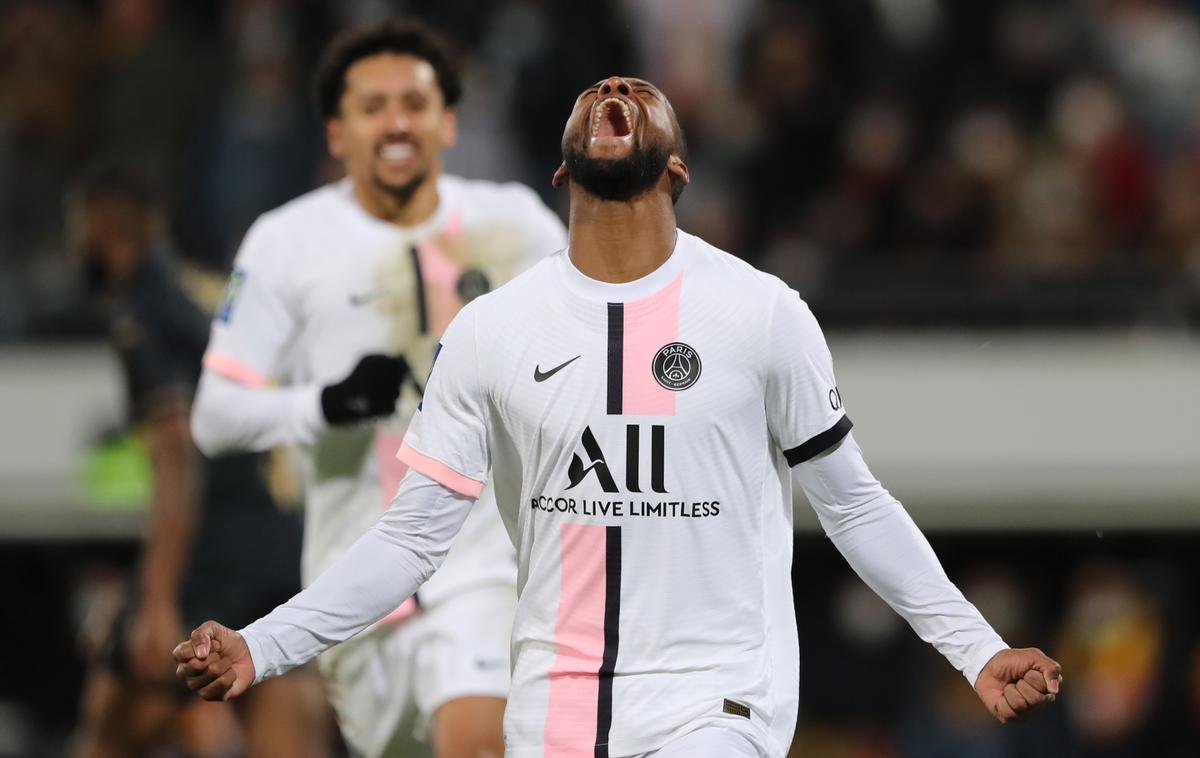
398	182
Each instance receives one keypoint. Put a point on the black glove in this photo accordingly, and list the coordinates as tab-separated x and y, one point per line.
368	392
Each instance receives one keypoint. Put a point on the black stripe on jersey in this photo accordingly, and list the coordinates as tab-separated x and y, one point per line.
419	284
616	356
820	443
633	438
612	615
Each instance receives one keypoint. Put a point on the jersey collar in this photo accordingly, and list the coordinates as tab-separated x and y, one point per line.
582	285
427	228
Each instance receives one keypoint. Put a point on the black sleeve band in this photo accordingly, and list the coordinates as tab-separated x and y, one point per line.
820	443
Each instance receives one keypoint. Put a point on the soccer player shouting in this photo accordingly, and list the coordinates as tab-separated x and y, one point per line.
640	399
332	315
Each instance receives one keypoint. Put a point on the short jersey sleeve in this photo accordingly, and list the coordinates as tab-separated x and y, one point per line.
158	334
804	406
447	440
157	376
254	321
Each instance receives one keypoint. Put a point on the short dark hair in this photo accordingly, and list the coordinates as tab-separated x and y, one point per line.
398	36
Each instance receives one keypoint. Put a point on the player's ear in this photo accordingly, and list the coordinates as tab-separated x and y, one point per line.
333	138
449	128
561	176
678	170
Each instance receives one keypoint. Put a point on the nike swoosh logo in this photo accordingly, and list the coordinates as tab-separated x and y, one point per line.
540	376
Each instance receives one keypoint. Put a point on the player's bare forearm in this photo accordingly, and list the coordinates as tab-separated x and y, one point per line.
156	623
174	508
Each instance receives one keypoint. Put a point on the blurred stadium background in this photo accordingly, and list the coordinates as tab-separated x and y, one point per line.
993	207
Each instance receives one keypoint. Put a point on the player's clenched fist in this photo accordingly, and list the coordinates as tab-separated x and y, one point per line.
214	662
1015	681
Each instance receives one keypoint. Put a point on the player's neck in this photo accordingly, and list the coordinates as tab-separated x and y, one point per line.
402	210
620	242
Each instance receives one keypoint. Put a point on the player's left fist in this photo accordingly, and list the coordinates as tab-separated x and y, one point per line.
1015	681
215	662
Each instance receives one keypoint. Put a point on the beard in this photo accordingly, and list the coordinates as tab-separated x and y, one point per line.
402	193
616	179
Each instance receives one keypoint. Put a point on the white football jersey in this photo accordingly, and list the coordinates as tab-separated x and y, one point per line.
640	436
318	283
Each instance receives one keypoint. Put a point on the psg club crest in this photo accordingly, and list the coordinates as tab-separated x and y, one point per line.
676	366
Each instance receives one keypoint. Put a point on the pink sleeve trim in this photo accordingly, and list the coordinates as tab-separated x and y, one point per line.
440	472
232	368
407	610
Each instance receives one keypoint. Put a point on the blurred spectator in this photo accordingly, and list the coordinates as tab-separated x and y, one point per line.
1153	48
797	105
191	567
260	148
44	62
1176	227
1113	644
155	80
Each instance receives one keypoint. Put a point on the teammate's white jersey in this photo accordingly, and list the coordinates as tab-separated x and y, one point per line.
640	436
319	283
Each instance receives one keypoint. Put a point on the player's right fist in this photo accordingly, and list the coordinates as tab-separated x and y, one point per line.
370	391
215	662
1015	682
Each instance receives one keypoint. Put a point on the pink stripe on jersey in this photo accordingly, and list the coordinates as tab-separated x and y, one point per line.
440	472
650	323
443	260
231	368
579	638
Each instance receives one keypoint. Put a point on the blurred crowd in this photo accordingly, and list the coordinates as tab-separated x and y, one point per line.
899	162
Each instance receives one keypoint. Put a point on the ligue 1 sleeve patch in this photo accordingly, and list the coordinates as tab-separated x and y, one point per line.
232	291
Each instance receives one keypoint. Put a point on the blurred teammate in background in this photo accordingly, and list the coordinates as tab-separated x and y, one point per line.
641	400
330	324
189	568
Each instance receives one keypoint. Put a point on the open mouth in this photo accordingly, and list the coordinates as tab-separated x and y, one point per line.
612	117
397	151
